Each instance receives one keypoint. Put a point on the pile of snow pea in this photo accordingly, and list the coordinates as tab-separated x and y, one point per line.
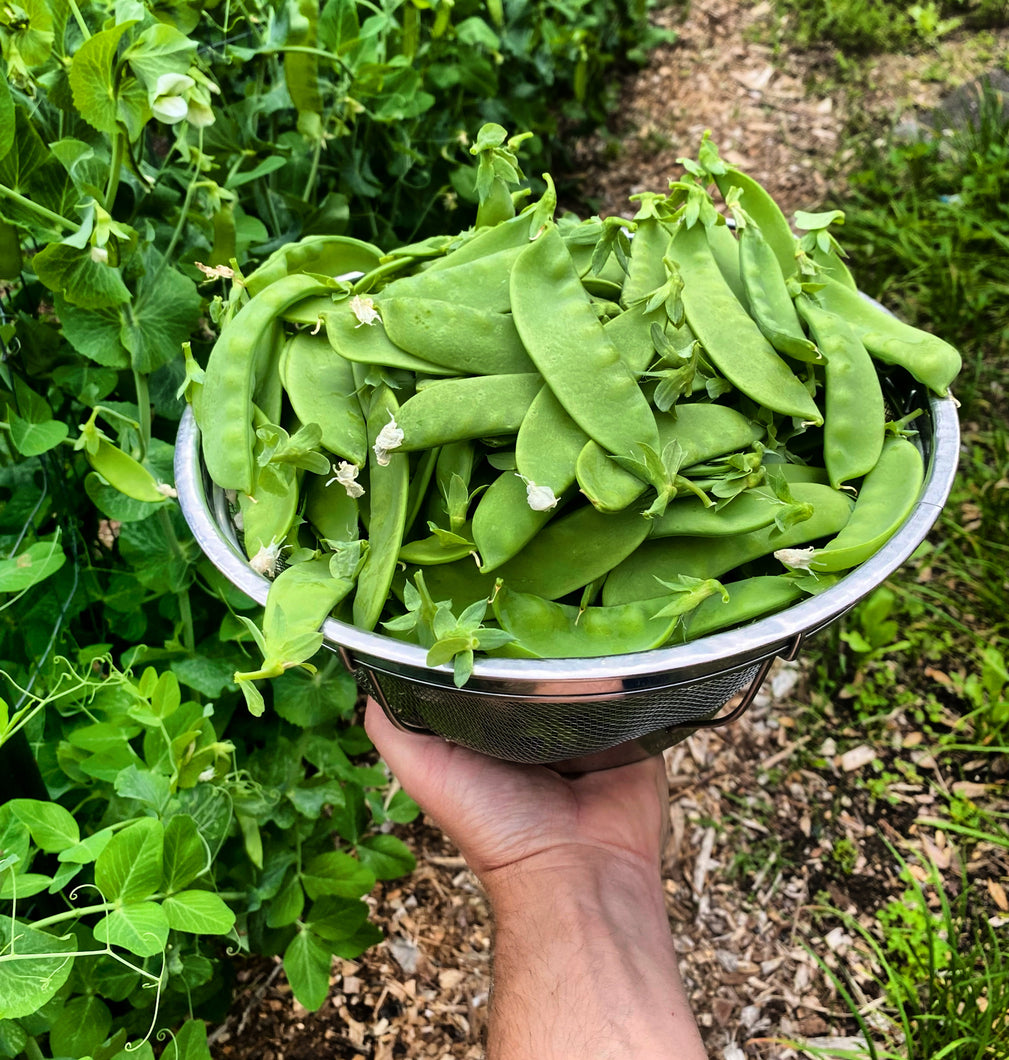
548	437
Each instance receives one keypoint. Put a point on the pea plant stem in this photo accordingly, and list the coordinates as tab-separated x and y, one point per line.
115	169
40	211
144	413
79	19
313	173
182	596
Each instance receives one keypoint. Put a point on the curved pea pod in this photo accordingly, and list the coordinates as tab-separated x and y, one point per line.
466	339
503	522
931	360
329	509
887	497
483	283
645	271
703	431
725	250
637	578
547	630
570	347
437	549
119	469
768	298
389	489
548	443
268	513
854	416
483	406
324	255
238	363
688	517
749	599
631	333
320	386
299	601
369	343
731	339
797	472
512	234
572	550
831	264
760	205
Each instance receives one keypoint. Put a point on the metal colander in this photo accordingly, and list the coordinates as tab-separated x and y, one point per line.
581	714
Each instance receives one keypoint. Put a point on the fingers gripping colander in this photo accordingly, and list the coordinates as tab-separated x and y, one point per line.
580	714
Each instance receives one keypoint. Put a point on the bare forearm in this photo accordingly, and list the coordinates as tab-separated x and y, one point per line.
585	967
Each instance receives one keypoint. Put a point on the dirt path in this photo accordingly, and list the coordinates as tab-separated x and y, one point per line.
754	838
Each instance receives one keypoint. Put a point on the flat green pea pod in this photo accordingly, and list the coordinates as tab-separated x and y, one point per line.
466	339
735	345
517	505
237	366
119	469
645	271
725	250
570	347
267	515
638	577
441	547
324	255
388	494
887	497
749	599
572	550
766	213
482	406
931	360
688	517
767	296
482	283
320	386
796	472
300	599
854	416
512	234
330	509
547	630
364	341
703	431
631	333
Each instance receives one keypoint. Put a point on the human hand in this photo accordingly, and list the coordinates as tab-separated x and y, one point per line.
500	814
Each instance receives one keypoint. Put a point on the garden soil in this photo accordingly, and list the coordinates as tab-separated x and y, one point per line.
754	840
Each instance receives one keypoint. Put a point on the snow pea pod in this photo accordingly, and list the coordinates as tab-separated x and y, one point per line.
237	365
268	513
767	297
573	550
645	271
703	431
703	557
548	630
324	255
760	205
546	449
320	386
749	598
931	360
733	342
570	347
482	406
887	497
482	283
854	415
369	343
460	337
330	510
631	333
688	517
725	250
388	488
508	235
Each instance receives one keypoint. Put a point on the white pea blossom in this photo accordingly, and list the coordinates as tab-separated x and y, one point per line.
365	311
266	559
167	491
346	475
389	437
796	558
539	498
169	104
100	255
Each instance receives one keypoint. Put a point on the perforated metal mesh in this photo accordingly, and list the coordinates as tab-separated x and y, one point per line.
538	731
